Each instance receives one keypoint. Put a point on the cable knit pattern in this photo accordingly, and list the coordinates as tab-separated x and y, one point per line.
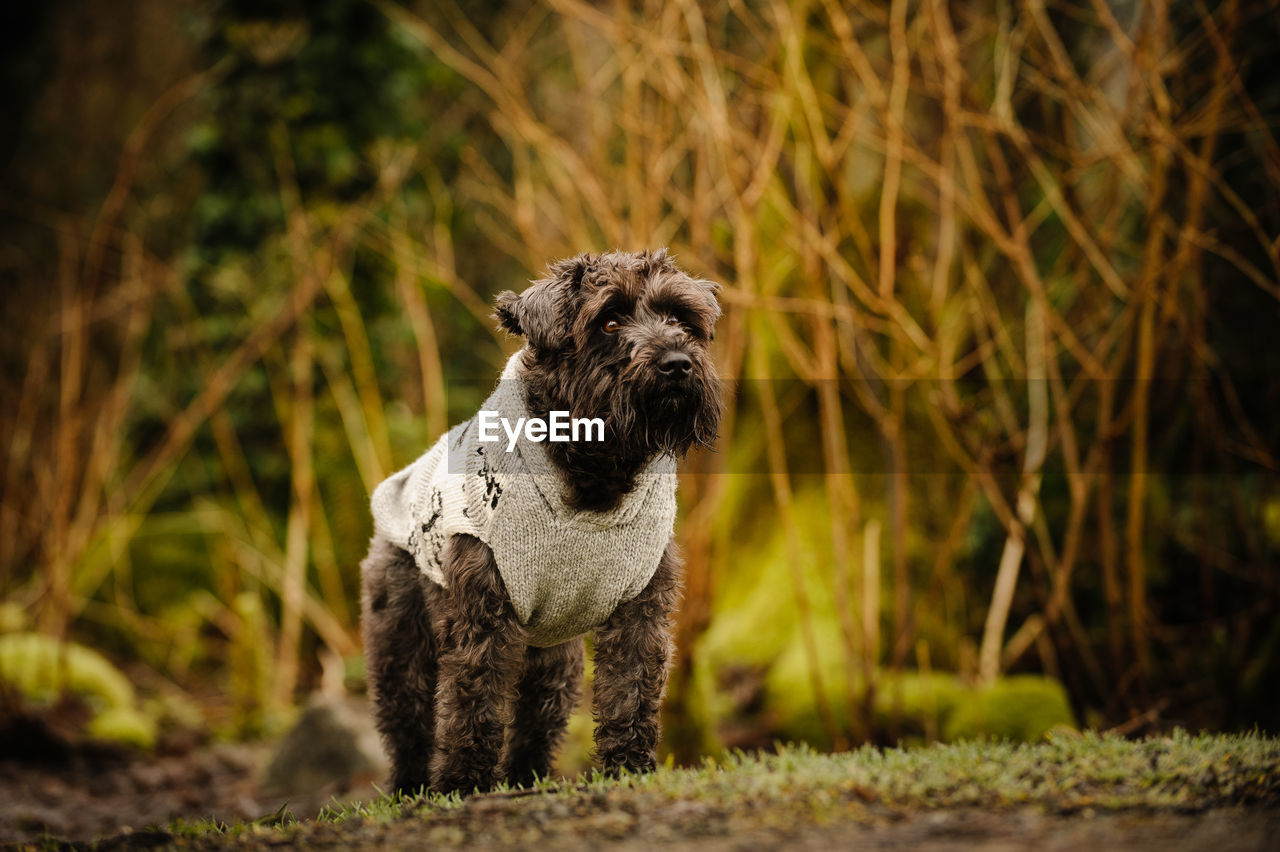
566	571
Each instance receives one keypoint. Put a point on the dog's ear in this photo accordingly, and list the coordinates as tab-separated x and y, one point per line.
569	271
506	312
542	312
711	289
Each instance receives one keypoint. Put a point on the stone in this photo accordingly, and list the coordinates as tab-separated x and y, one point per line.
332	745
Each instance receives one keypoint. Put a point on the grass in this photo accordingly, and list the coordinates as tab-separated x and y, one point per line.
741	795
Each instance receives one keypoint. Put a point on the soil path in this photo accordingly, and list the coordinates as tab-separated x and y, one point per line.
1225	830
89	794
1088	793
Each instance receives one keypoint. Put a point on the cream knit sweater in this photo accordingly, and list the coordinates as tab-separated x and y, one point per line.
566	571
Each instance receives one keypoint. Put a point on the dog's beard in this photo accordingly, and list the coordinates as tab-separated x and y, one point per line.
645	415
660	418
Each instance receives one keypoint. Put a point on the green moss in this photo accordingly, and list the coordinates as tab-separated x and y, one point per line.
123	725
757	632
915	705
1022	708
919	705
41	669
798	786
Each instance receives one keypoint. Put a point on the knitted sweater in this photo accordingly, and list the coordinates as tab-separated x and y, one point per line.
566	571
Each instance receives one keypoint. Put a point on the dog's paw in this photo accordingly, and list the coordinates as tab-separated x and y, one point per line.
464	783
461	788
409	785
616	766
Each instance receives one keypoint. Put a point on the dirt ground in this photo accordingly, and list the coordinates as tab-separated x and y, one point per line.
101	793
688	829
109	800
116	803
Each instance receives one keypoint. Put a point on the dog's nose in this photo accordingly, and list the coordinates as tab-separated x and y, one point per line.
675	365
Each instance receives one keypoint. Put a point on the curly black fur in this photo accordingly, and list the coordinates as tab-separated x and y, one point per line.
549	690
462	701
400	660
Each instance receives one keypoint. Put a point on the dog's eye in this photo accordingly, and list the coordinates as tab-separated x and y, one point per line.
672	319
611	326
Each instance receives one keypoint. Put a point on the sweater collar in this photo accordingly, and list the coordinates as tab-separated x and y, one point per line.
509	399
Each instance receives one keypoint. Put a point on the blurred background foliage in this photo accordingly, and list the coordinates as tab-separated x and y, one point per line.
1001	284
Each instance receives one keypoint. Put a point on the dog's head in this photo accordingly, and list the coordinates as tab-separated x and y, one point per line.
623	336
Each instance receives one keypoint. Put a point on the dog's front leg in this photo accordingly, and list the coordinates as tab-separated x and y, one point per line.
633	656
549	690
482	654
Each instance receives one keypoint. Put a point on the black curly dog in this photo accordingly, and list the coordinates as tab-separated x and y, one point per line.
462	701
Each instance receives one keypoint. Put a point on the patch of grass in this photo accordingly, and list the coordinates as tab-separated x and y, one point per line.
797	787
1069	771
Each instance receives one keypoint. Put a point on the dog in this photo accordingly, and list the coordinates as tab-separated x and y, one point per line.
491	559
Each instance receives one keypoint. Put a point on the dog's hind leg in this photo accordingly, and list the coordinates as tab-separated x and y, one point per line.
482	650
549	690
400	658
632	657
